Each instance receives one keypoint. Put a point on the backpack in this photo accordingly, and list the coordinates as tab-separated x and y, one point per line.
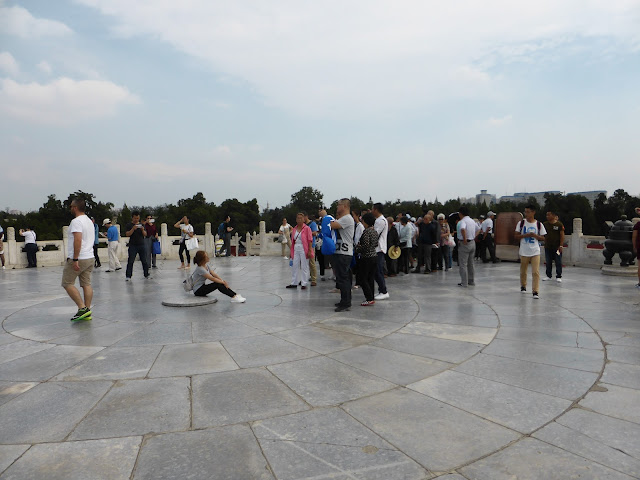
328	237
221	230
188	284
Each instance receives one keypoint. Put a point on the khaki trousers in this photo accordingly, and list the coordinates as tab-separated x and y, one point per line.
112	249
535	271
312	269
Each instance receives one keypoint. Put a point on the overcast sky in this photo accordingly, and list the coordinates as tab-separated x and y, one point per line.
150	101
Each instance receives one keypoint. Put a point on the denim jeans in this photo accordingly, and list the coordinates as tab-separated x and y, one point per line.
379	276
133	251
550	256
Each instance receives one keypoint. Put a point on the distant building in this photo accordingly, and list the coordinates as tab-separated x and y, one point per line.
484	197
590	195
522	197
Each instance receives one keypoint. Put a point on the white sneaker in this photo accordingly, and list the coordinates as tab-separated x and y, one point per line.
559	280
3	267
546	279
238	299
382	296
286	258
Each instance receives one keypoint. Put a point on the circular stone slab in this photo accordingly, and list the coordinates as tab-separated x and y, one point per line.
188	301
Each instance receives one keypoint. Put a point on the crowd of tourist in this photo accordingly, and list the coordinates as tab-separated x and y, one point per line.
370	247
360	248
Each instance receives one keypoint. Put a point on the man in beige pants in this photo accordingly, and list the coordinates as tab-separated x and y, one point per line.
530	232
113	237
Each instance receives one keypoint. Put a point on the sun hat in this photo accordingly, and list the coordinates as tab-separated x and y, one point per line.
394	252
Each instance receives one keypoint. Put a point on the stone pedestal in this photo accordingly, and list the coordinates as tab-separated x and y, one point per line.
618	271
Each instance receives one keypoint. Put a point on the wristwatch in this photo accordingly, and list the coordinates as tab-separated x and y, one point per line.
75	259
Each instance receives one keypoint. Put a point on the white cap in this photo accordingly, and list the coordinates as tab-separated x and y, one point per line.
106	221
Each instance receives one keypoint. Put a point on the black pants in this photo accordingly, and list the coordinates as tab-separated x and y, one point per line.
391	264
379	274
424	256
404	259
488	244
133	251
366	271
95	256
227	244
207	288
435	255
341	265
320	260
183	248
31	249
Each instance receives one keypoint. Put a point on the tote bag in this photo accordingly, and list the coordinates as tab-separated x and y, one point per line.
191	243
156	248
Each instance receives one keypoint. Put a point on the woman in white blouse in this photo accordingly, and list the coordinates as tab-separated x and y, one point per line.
30	246
285	237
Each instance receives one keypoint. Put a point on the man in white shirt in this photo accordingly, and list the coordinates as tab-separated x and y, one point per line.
381	227
466	230
80	260
486	239
530	232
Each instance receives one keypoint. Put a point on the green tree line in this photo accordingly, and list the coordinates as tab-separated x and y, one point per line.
49	219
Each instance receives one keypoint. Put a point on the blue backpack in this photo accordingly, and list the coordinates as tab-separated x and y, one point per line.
221	230
328	236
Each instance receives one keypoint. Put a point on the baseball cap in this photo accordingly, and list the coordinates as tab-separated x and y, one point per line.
106	221
490	213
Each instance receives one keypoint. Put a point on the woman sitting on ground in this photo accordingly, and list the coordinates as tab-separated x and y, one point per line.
203	273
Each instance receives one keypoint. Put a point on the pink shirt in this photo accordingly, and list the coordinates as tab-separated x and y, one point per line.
305	237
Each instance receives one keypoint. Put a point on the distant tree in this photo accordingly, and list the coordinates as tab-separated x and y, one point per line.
307	199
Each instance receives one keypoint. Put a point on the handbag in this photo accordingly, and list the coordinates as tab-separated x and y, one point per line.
191	243
156	250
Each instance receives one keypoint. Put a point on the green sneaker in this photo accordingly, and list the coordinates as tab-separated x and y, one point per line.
82	314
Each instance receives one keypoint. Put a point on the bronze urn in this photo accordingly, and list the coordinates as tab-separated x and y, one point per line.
619	241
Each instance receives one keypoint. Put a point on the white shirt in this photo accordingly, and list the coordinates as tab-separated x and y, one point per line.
83	224
30	237
358	234
186	230
469	227
381	226
530	247
487	226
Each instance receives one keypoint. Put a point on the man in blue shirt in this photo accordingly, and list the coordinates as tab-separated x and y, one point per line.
313	273
113	243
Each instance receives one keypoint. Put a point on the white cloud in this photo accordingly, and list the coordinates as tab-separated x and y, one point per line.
19	22
223	150
45	67
498	122
64	101
318	58
8	64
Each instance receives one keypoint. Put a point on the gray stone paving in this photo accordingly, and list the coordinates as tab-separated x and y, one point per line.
436	382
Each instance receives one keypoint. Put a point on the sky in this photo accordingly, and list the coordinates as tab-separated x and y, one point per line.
151	101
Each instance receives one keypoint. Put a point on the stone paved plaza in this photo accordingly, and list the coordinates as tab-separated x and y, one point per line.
437	381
